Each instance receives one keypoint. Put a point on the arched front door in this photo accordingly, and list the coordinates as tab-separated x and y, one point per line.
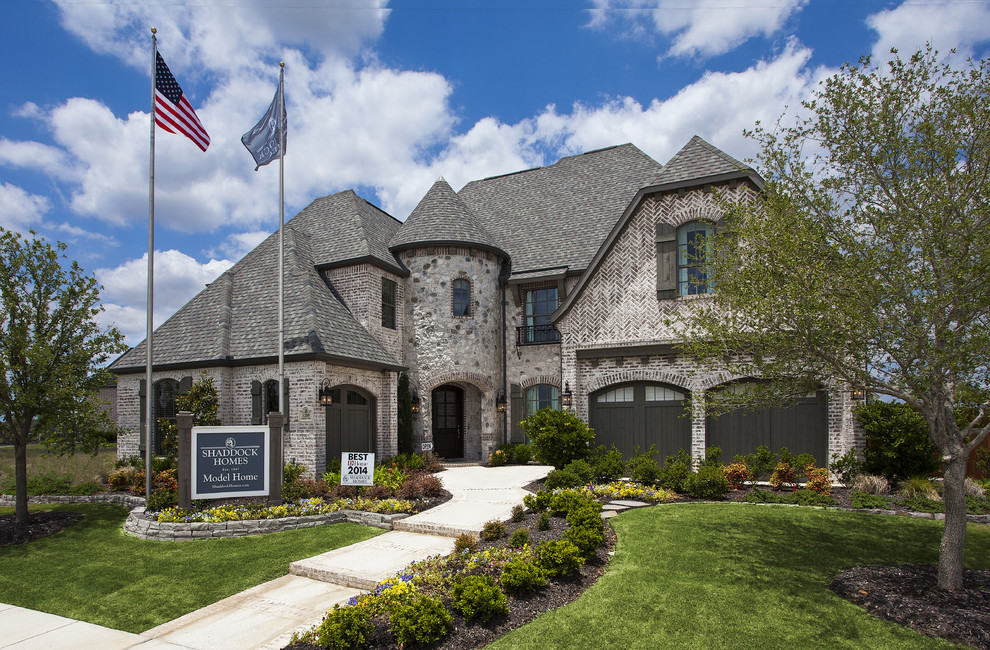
350	422
448	421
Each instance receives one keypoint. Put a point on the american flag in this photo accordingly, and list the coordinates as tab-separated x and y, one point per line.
173	111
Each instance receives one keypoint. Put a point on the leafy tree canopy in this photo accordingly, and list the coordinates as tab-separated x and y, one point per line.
866	257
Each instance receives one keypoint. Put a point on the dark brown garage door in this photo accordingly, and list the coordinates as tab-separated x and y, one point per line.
350	423
801	428
635	416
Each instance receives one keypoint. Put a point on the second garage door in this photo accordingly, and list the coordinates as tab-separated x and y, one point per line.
636	415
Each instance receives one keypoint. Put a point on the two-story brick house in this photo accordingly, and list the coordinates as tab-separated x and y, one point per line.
533	289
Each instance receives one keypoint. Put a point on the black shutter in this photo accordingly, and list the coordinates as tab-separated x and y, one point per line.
517	412
666	261
256	417
142	418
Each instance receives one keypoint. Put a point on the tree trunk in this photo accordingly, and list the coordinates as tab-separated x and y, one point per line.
950	558
20	478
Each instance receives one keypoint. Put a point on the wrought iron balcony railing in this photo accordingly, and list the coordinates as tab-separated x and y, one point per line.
537	335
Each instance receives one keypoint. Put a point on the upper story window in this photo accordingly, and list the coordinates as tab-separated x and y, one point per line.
693	248
388	303
540	397
540	304
462	297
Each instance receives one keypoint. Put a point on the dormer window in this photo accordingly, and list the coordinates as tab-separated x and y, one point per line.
461	297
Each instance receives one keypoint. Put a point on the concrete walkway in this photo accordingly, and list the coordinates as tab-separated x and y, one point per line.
265	616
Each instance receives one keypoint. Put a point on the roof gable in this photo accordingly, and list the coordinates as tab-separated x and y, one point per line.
697	160
441	217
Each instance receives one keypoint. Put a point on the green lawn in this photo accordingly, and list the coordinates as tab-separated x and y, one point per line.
741	576
94	572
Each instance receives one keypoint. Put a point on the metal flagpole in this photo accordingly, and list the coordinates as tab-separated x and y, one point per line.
148	389
281	258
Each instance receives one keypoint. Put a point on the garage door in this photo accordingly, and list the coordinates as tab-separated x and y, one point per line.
350	423
802	428
634	416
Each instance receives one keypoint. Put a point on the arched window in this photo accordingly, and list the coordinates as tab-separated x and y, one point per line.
462	297
540	397
270	397
693	248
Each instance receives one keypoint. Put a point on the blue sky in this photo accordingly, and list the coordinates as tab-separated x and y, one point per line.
384	97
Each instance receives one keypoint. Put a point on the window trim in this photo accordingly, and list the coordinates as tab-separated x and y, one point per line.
534	390
699	285
468	312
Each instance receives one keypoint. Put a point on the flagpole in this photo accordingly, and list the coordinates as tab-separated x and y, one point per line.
281	256
148	387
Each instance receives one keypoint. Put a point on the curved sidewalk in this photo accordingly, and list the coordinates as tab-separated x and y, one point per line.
265	616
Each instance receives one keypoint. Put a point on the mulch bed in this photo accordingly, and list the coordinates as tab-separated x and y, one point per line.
40	524
908	595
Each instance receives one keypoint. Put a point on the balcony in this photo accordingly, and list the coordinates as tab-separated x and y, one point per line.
537	335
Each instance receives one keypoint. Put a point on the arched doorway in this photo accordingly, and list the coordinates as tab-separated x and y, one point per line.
350	422
448	421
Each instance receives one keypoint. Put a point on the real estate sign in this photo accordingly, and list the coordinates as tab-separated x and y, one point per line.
230	462
357	468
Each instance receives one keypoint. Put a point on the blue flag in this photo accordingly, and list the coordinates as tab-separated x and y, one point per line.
267	136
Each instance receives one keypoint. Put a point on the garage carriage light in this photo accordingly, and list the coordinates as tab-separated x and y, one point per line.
325	395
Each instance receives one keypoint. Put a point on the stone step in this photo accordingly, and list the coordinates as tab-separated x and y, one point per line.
367	563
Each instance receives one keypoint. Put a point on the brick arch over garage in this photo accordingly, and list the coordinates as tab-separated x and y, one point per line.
640	374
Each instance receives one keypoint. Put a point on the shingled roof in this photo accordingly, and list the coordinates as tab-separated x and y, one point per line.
559	215
698	160
236	317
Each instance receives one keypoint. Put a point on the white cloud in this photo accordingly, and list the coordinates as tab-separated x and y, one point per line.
178	278
20	210
700	28
947	24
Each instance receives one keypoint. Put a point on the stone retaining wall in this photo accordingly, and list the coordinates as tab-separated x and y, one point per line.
121	499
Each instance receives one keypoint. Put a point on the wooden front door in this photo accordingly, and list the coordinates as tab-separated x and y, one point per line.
448	422
350	423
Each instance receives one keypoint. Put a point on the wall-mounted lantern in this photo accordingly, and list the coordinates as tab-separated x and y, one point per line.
500	404
415	403
325	395
567	398
858	394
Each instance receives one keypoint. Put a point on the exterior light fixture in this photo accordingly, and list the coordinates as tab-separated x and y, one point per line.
500	404
858	394
415	403
325	394
567	398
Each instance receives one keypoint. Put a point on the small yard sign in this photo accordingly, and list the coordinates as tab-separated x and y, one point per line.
230	462
357	468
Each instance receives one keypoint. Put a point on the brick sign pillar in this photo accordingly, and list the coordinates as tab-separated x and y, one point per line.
275	451
184	422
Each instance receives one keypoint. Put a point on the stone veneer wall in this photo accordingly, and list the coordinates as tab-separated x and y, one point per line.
442	348
620	309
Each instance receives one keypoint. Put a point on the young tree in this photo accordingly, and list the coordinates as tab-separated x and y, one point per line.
51	352
866	259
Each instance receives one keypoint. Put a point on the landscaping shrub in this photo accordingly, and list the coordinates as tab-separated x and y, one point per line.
871	484
760	463
522	454
898	444
543	522
712	456
816	480
389	476
431	462
783	474
586	540
292	492
607	464
558	557
537	502
493	530
564	501
345	627
420	485
291	471
518	514
800	462
520	575
343	492
919	486
377	492
465	542
501	456
407	462
518	538
675	471
708	482
478	597
736	474
846	467
162	499
762	496
643	467
983	461
811	498
558	437
582	470
420	620
562	478
919	503
866	500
